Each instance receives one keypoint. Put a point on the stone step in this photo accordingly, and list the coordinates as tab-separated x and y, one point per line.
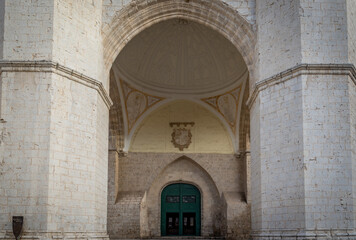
186	238
179	238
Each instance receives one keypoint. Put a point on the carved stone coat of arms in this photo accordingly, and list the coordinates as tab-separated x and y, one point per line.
181	138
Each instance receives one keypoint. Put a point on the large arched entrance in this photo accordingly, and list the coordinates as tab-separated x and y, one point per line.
178	72
180	210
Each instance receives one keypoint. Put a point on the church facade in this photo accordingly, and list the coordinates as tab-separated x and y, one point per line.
156	119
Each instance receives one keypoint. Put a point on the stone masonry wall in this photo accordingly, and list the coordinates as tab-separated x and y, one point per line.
78	158
77	37
78	45
53	155
302	31
28	30
25	144
67	32
225	170
246	8
351	28
124	218
327	153
256	196
113	159
138	171
54	134
313	107
238	215
187	171
281	133
352	106
278	36
323	31
316	156
101	164
126	207
2	21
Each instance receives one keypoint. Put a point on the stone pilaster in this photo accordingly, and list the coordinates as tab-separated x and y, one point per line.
54	152
54	105
302	155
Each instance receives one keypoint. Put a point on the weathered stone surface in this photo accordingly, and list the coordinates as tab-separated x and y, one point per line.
142	174
54	122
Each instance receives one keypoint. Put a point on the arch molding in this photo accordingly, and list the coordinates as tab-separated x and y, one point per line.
141	14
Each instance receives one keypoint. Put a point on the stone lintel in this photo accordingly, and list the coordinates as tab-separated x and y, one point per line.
299	70
56	68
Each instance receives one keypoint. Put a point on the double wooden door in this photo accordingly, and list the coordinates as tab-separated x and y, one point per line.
180	210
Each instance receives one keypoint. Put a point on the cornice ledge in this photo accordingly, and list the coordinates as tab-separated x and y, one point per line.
302	69
53	67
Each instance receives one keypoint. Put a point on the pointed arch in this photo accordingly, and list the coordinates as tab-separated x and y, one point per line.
185	170
142	14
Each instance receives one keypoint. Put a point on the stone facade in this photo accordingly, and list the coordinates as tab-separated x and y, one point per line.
70	164
141	177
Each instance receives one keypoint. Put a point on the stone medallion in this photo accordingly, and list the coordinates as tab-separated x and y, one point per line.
181	138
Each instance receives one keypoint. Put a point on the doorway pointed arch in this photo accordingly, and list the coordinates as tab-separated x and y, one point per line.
176	173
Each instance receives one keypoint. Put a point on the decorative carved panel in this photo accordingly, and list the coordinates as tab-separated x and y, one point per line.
136	103
227	105
181	136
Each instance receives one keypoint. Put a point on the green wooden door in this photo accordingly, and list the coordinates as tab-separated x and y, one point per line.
180	210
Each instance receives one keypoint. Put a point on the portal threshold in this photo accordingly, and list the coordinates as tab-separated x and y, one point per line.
177	237
187	238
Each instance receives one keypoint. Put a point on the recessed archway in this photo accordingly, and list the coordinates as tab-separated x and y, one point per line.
142	14
137	18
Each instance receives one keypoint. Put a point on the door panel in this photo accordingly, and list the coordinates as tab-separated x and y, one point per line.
180	210
172	223
189	224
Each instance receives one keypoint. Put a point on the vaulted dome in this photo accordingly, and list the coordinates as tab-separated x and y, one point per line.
180	56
